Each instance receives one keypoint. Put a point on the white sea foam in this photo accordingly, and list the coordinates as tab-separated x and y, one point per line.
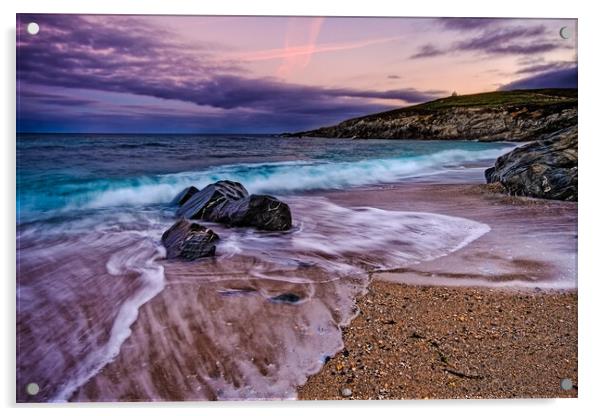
281	177
140	259
352	240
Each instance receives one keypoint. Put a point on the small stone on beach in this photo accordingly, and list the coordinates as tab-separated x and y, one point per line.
346	392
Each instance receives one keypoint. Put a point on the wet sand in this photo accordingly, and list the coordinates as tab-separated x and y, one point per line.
532	242
488	329
428	342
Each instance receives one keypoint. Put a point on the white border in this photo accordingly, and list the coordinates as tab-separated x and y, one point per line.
590	22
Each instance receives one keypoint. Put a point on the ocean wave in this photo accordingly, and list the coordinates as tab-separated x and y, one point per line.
275	178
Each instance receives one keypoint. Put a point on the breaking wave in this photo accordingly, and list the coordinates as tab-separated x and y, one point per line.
276	178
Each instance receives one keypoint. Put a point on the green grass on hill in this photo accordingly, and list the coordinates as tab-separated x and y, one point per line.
496	98
490	99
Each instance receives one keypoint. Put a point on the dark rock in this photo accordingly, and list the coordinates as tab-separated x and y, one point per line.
203	202
286	298
546	168
229	203
260	211
184	196
189	241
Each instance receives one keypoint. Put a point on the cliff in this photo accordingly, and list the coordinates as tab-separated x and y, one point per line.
521	115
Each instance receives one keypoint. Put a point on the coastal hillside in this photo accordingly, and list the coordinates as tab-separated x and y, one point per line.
520	115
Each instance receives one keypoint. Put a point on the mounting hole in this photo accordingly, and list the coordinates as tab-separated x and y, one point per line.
565	32
566	384
32	389
33	28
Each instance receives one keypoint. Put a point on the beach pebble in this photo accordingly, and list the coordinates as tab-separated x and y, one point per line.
346	392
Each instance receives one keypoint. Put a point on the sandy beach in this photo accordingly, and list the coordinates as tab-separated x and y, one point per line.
427	342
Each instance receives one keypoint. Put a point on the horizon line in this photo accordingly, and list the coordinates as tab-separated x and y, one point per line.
141	133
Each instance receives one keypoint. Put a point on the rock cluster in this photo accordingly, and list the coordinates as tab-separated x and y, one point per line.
224	202
229	203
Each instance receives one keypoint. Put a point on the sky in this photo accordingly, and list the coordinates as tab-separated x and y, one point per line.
235	74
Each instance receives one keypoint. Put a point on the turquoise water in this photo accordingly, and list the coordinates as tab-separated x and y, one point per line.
62	173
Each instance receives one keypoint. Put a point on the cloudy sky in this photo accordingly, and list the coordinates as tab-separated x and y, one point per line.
268	74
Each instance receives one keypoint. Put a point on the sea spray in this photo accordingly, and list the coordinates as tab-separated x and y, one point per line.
345	240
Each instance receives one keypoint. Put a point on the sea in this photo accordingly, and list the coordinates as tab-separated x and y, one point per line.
103	316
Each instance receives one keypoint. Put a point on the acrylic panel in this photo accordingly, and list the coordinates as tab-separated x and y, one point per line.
270	208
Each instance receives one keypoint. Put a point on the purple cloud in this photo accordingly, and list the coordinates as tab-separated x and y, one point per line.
545	67
427	51
497	40
467	23
118	54
148	118
54	99
562	78
515	40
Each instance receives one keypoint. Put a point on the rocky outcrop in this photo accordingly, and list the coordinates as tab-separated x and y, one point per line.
184	195
497	116
229	203
189	241
546	168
